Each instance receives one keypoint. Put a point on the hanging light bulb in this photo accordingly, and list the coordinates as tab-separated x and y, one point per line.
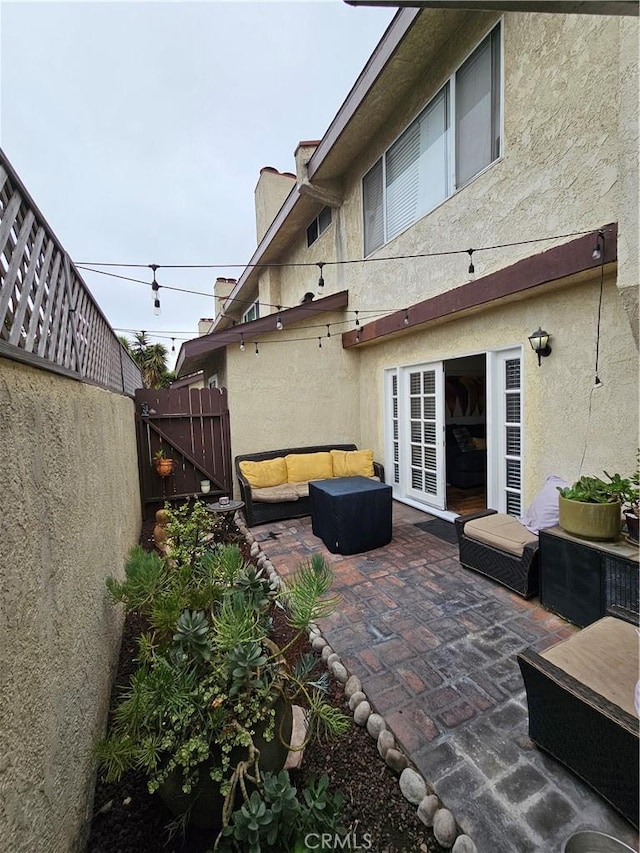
173	344
358	336
241	343
328	331
279	319
319	343
597	249
155	287
357	321
321	279
257	353
472	269
406	317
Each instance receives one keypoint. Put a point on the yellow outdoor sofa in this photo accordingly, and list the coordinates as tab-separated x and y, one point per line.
274	484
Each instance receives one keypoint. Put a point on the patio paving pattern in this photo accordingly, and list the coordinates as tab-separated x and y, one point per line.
434	646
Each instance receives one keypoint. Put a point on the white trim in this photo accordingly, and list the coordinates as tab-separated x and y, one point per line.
446	514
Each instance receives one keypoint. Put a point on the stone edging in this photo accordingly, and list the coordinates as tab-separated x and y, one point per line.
414	788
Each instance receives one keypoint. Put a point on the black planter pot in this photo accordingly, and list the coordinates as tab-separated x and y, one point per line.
633	522
204	803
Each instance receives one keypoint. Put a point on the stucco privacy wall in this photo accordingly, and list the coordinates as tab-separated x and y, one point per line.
70	512
557	426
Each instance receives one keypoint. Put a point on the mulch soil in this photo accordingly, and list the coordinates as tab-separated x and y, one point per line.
127	819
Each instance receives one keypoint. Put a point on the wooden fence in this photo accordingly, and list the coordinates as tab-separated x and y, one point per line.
192	428
48	317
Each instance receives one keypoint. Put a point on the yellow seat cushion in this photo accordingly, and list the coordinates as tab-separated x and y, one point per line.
352	463
302	467
263	475
503	532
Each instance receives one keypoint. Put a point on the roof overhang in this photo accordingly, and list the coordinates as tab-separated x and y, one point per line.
559	7
570	261
195	353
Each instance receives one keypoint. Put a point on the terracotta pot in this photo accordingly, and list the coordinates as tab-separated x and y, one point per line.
598	522
163	467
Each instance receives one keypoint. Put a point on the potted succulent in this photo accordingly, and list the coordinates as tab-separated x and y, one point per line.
208	711
162	463
592	507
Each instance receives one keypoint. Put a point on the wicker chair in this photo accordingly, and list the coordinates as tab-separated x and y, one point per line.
517	572
580	695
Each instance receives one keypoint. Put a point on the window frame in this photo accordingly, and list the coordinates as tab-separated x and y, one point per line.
319	228
450	166
254	307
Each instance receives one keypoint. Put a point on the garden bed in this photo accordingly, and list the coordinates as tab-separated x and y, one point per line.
129	819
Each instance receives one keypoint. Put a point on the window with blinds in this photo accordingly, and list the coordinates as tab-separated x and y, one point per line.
414	175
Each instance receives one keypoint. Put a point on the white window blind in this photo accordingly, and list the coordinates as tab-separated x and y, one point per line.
373	210
477	110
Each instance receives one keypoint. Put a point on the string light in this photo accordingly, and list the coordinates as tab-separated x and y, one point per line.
241	343
279	319
321	279
155	288
257	352
357	321
472	269
328	330
358	336
319	343
173	344
406	317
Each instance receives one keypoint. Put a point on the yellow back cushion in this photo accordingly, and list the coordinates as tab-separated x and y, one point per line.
263	475
352	463
302	467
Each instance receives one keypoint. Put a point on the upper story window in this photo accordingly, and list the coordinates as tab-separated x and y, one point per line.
319	224
252	313
428	162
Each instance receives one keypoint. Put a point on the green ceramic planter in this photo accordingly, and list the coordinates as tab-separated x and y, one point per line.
598	522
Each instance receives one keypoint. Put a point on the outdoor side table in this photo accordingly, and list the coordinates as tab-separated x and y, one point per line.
226	511
351	514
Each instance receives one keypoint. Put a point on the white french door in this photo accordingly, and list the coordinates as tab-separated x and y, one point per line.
415	433
505	408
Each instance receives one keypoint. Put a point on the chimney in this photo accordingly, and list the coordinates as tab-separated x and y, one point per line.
271	190
221	291
303	154
204	325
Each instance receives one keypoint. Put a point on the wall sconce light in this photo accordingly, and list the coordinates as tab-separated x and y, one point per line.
539	341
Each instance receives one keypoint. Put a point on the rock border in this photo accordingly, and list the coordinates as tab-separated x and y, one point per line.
430	810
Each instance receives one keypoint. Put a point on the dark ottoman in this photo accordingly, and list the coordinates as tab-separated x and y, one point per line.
351	514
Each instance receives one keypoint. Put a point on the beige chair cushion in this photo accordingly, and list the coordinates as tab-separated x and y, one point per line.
604	657
274	494
500	531
301	489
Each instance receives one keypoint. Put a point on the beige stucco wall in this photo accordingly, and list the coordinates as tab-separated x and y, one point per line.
70	512
293	394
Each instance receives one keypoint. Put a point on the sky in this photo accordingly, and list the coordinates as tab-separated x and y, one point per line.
140	129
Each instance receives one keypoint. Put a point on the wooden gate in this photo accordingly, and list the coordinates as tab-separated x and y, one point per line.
192	428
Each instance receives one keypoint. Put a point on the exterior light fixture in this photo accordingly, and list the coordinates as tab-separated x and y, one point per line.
599	246
539	341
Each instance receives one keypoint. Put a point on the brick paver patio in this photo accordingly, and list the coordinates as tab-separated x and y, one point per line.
434	646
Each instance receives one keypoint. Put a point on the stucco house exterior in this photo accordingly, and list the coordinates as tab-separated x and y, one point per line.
511	134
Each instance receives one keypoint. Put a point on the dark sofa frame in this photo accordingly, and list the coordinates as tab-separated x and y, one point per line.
517	573
258	512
